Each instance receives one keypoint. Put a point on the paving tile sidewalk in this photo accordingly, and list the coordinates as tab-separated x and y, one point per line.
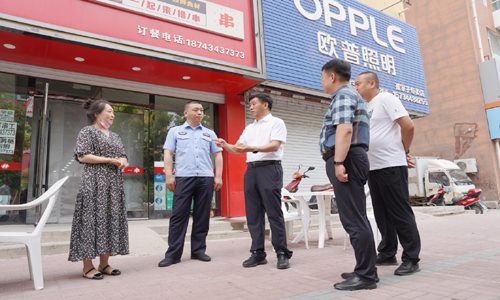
460	260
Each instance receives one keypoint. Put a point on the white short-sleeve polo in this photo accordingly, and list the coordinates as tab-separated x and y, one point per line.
261	133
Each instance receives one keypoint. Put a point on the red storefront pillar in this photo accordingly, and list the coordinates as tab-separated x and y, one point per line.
232	123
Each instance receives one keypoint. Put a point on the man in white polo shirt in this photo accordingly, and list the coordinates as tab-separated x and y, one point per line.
262	141
391	134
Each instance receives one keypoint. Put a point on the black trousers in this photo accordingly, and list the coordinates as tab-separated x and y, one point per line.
198	190
393	213
262	186
351	203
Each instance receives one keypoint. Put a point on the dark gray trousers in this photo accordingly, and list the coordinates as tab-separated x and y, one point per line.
351	204
262	186
198	190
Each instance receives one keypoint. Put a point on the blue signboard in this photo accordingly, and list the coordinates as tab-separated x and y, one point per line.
163	198
493	115
300	36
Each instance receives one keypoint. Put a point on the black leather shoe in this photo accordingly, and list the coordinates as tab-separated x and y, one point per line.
201	256
167	261
257	258
283	262
386	261
348	275
355	283
407	268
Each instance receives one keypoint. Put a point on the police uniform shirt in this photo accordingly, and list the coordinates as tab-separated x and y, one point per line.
261	133
193	148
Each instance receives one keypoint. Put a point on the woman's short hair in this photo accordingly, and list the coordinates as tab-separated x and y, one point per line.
94	107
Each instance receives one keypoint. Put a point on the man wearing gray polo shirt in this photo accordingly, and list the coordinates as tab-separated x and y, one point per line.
194	181
263	141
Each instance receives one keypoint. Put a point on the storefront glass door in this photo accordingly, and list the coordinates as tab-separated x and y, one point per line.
169	112
15	109
54	138
39	122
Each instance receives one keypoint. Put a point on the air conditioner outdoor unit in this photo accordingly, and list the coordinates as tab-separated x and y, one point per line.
468	165
496	18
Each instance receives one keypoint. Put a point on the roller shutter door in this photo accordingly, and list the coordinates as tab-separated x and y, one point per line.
303	120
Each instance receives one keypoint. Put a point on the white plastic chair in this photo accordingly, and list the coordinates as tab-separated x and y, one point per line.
292	213
371	216
32	240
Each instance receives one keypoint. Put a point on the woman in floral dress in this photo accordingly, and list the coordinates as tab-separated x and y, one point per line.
100	221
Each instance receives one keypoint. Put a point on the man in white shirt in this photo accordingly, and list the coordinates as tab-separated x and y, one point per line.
391	134
262	141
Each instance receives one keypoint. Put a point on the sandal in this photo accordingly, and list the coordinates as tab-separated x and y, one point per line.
93	274
108	270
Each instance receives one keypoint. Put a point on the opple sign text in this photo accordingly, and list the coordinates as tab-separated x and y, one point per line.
333	10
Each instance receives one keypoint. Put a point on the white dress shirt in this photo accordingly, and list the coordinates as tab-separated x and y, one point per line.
261	133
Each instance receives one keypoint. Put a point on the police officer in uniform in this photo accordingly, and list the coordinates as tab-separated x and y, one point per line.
263	142
193	145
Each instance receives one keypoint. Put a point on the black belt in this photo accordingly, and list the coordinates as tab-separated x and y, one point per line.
331	152
327	154
255	164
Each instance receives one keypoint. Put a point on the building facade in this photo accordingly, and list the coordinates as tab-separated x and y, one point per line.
460	48
316	32
146	57
150	57
395	8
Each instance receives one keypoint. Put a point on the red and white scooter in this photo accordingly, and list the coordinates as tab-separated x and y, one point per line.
293	186
469	200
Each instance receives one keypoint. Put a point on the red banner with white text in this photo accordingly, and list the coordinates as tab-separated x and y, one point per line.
218	31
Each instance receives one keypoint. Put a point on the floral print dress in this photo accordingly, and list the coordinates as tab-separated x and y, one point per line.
100	218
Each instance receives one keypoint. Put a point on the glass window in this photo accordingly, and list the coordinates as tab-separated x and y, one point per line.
169	112
495	4
460	178
495	44
67	117
122	96
68	90
15	132
439	178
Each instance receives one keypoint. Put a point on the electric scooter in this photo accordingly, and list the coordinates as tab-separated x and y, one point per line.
438	198
293	186
470	200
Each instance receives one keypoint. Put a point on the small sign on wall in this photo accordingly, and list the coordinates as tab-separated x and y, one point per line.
163	198
29	107
7	136
7	115
493	115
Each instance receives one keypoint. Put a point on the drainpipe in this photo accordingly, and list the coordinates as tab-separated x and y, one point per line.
478	32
